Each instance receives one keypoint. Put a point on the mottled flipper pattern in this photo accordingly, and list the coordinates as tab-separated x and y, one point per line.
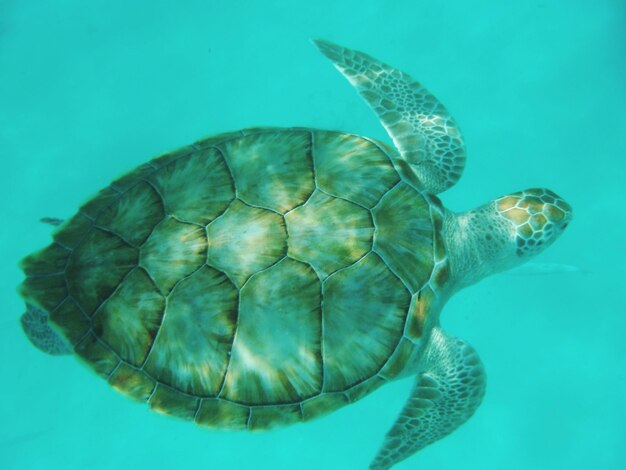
35	324
427	137
446	393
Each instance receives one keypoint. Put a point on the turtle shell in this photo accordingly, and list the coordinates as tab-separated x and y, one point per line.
255	278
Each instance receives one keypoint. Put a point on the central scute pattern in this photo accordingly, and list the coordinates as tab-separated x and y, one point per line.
263	267
276	353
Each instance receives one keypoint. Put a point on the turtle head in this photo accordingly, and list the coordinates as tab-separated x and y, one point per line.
503	233
537	218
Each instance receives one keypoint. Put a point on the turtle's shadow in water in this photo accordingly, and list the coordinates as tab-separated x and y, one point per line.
548	269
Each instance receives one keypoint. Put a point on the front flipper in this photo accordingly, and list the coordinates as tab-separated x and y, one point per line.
446	393
427	137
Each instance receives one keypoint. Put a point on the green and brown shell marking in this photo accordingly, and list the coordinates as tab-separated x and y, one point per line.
257	278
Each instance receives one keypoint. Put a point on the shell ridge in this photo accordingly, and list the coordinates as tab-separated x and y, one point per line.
321	342
222	154
348	266
120	191
230	348
329	194
89	330
383	149
382	196
392	269
114	292
158	192
314	162
113	232
159	328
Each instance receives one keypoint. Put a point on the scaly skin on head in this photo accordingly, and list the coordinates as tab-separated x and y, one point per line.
503	233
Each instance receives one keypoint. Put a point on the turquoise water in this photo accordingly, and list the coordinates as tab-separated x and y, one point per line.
89	90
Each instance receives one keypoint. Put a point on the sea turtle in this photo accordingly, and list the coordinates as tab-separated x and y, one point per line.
269	276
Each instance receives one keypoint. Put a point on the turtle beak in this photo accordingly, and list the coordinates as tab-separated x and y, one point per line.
557	211
560	206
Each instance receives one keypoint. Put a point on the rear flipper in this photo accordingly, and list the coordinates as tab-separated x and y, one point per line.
446	393
35	324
